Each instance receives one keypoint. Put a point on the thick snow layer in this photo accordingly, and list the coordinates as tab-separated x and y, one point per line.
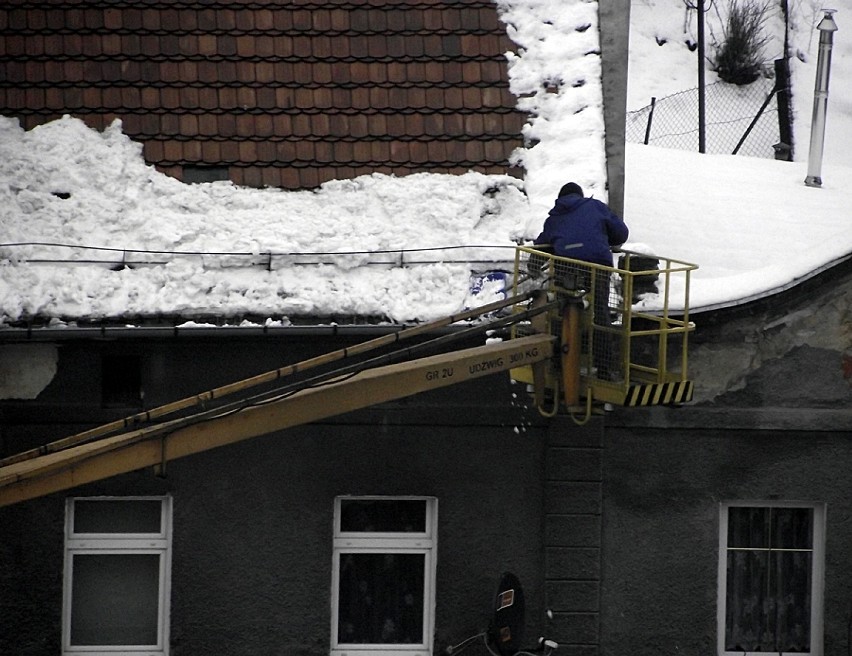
373	246
89	231
751	224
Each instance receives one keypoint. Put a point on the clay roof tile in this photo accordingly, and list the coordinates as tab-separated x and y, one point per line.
227	125
321	20
321	125
189	125
131	98
93	19
434	72
208	125
341	98
250	176
244	20
151	98
152	150
189	98
248	151
150	19
188	20
309	178
323	98
454	98
230	151
264	19
282	125
270	176
301	125
206	18
210	152
172	151
245	71
170	124
265	98
358	126
343	152
264	46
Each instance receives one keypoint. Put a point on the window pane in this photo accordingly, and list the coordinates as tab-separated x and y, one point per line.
117	516
383	515
746	623
115	599
792	600
792	528
381	598
748	527
769	571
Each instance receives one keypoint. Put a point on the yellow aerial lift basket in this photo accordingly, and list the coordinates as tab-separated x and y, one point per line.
623	330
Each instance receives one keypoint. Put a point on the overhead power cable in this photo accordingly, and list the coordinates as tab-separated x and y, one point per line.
259	258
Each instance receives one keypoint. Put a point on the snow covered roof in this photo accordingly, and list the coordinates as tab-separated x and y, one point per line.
147	245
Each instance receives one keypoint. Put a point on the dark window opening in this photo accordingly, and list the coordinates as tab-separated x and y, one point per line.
193	174
121	381
118	516
383	515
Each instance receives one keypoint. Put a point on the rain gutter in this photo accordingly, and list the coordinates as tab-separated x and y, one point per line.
70	333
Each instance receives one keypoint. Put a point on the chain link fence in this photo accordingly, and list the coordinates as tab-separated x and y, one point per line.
737	122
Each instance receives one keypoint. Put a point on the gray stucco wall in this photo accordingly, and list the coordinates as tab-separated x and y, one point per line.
792	349
252	547
661	527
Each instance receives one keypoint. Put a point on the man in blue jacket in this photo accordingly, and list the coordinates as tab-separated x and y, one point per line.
582	228
586	229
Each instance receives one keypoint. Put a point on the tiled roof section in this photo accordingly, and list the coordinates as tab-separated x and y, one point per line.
286	93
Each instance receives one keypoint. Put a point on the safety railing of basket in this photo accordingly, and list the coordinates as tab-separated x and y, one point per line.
647	305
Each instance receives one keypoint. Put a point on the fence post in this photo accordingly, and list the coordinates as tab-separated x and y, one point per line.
754	120
650	119
784	147
702	116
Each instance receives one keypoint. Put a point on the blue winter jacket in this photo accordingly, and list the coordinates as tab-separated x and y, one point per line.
588	225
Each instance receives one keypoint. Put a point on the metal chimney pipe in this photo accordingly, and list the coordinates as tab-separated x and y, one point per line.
827	27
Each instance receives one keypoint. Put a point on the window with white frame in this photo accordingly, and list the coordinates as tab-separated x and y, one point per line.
117	575
383	575
771	564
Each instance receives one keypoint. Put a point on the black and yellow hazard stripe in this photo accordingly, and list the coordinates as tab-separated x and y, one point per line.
659	393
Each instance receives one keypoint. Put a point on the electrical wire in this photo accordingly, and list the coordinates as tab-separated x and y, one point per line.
265	259
379	251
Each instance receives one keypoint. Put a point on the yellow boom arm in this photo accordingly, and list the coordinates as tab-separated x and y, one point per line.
156	445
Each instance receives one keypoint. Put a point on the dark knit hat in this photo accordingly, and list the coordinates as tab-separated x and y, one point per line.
571	188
